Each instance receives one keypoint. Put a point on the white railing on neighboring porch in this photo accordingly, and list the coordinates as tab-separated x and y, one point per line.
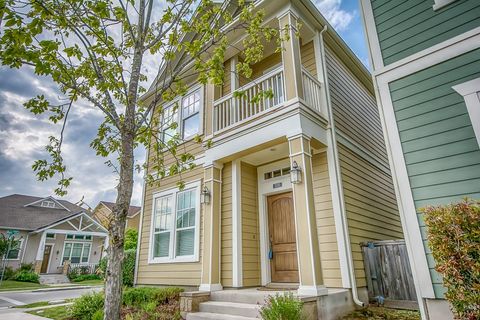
230	110
312	91
83	268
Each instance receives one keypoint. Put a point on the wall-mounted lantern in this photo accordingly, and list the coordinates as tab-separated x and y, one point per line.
295	173
205	195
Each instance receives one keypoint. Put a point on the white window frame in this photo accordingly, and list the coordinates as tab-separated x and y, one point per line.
173	233
178	101
78	240
48	204
20	247
83	243
470	91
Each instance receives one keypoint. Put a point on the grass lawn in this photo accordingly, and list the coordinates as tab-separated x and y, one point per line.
56	313
379	313
11	285
89	283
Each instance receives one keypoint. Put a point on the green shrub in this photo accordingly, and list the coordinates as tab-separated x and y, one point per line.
282	307
98	315
87	305
128	271
84	277
9	273
26	276
28	267
454	238
140	296
131	237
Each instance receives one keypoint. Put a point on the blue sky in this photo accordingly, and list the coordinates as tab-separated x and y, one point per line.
23	135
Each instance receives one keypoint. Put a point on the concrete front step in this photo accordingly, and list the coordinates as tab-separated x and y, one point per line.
248	296
53	279
216	316
231	308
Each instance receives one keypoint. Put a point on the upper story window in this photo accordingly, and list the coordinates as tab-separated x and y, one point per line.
48	204
175	228
188	119
80	237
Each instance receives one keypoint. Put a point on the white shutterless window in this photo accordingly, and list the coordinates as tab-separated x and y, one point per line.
175	228
191	114
169	116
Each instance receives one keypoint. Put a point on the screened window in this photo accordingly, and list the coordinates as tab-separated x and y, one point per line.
191	114
169	117
76	252
175	225
188	117
14	252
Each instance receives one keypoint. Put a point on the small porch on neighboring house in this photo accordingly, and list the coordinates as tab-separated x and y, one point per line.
77	241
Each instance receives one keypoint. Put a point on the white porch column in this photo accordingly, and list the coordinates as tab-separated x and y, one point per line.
40	251
211	277
106	243
237	251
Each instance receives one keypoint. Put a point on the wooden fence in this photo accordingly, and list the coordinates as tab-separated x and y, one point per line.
388	271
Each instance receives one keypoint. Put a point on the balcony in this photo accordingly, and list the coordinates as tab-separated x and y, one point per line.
234	109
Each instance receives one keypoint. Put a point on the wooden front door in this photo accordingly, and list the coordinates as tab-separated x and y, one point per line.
283	244
46	258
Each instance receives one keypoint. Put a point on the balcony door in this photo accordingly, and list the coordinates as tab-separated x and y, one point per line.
283	245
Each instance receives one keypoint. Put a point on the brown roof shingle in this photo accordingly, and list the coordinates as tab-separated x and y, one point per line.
14	214
131	211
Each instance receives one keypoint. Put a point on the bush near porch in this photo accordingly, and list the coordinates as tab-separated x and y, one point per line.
146	303
454	238
128	271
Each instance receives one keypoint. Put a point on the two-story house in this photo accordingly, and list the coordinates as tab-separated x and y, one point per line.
426	61
103	212
291	185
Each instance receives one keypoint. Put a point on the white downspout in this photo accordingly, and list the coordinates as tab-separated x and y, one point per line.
333	145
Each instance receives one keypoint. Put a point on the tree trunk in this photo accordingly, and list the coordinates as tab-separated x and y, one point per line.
116	230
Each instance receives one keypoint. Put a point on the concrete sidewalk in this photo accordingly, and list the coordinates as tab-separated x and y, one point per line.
21	316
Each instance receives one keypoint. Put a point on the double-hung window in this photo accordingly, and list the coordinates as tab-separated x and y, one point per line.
76	252
175	225
14	251
188	118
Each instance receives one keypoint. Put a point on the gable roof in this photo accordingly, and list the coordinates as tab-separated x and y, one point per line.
19	212
132	211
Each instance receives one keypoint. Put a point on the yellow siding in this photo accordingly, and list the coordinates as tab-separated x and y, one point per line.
226	228
250	227
101	213
325	222
226	80
307	53
370	204
133	223
186	274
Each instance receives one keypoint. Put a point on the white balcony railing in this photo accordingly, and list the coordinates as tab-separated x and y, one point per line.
312	91
231	109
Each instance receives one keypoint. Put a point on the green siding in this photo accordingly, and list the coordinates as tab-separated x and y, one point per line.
439	145
406	27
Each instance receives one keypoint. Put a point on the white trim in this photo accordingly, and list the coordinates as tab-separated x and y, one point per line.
441	3
87	233
314	291
470	91
80	214
237	251
21	251
210	287
336	188
51	199
172	258
24	251
408	214
41	246
370	29
426	58
265	189
72	242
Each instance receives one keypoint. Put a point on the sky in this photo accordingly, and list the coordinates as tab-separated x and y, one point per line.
23	135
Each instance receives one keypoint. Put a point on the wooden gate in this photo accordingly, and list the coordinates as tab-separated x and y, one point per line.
388	273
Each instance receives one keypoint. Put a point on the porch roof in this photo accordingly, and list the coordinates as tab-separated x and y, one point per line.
78	223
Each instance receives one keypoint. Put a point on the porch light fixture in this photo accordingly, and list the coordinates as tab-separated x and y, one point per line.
295	173
205	195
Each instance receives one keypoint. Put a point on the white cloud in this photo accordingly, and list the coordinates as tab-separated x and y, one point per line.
338	18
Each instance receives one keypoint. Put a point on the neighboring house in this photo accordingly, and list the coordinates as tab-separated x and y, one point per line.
50	231
104	209
426	60
258	223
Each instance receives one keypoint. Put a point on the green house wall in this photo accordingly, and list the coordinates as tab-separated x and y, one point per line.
406	27
439	145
